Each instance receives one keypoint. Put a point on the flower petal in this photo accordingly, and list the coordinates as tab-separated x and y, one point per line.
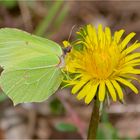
101	92
92	34
136	71
125	82
131	57
125	70
100	31
128	70
101	37
92	93
111	90
118	89
78	86
84	91
131	48
118	35
126	40
108	34
132	62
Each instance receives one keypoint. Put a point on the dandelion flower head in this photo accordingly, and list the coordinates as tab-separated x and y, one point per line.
101	64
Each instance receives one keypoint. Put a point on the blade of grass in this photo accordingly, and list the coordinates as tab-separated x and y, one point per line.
61	16
59	20
44	24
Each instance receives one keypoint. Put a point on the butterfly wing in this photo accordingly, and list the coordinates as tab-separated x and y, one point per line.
31	66
17	46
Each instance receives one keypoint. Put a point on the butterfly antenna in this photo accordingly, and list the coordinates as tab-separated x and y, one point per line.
68	48
71	32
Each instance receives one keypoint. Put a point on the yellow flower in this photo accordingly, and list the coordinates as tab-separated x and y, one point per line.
100	64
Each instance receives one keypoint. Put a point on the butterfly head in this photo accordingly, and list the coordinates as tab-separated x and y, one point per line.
67	47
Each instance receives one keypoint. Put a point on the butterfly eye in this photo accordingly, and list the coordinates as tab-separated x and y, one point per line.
67	49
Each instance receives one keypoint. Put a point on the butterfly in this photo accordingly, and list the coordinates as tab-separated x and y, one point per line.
31	66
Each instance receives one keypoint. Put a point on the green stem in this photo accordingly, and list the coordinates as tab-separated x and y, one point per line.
93	125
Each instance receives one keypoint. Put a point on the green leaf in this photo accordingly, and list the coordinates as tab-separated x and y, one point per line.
65	127
56	107
31	66
9	3
107	131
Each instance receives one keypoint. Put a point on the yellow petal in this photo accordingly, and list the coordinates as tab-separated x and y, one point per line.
111	90
84	91
108	34
118	35
135	71
100	30
78	86
131	48
101	91
132	62
125	82
125	70
92	93
118	89
132	56
128	70
101	36
126	40
92	33
131	77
